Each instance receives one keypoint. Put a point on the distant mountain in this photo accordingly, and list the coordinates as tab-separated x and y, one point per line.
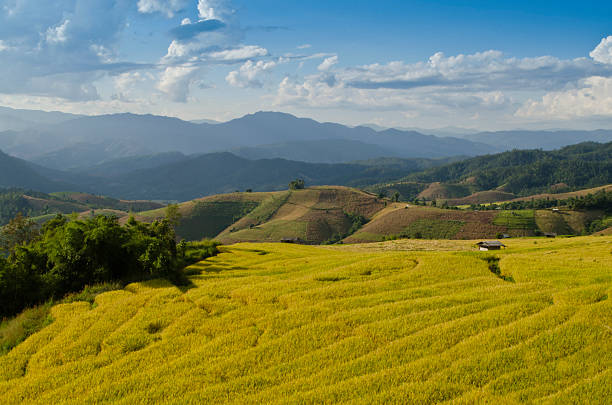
18	120
205	121
88	154
129	164
318	151
547	140
224	172
99	139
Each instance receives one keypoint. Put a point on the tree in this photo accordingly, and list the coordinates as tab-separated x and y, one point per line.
173	215
396	197
19	231
297	184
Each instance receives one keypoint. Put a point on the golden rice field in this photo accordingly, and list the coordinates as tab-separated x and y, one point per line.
376	323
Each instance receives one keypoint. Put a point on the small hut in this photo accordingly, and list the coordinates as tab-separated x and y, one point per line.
490	245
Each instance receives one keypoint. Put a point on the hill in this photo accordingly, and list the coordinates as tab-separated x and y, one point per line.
271	323
313	215
15	172
43	206
520	172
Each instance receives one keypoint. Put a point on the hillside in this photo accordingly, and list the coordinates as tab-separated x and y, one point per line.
313	215
43	206
410	221
378	323
520	173
15	172
225	173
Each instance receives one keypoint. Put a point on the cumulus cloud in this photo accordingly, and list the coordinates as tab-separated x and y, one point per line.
603	52
246	76
213	9
60	48
328	63
593	98
460	85
176	80
166	7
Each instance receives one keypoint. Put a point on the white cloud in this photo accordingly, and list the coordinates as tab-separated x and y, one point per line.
246	76
4	46
167	7
328	63
603	52
57	34
304	46
593	98
239	54
175	82
185	21
213	9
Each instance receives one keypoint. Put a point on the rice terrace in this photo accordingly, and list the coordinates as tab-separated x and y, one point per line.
316	202
400	321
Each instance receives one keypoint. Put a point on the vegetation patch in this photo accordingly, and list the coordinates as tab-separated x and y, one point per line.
430	229
209	218
493	263
523	219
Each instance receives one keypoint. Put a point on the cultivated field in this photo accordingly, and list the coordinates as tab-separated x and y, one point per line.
398	322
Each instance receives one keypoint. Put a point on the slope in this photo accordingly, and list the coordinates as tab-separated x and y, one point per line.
269	323
224	173
313	215
15	172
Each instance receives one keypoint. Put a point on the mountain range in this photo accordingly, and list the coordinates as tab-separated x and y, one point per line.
65	141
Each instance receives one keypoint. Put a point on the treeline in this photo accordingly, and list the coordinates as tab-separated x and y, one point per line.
601	200
525	172
65	255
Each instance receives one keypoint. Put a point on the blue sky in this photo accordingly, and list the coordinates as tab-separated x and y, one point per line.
429	64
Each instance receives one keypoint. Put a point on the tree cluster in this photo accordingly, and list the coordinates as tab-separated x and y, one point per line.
66	255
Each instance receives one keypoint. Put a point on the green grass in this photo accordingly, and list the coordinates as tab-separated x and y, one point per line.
268	208
522	219
272	231
276	323
209	218
432	229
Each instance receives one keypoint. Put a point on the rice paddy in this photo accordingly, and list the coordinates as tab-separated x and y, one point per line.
395	322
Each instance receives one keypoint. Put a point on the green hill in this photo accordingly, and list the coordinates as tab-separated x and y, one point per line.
44	206
378	323
526	172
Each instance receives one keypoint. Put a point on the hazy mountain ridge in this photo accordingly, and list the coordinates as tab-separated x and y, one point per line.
106	137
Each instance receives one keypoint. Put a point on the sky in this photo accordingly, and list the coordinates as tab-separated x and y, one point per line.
485	65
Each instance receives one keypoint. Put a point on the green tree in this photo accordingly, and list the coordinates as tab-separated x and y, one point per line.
173	215
297	184
20	230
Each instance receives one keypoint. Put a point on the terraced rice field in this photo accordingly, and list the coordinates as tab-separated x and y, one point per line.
374	323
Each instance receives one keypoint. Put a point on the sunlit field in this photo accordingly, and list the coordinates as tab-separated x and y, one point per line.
395	322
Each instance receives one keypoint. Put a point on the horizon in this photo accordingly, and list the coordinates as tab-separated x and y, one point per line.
424	65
